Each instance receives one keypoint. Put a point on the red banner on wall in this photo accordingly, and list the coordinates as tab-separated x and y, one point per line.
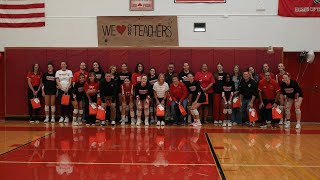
299	8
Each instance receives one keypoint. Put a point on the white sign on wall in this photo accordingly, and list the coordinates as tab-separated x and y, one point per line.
141	5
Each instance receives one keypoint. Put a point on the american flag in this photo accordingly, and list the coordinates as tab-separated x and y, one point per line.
22	13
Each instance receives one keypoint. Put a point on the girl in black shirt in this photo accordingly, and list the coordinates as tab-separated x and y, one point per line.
49	91
97	70
152	78
142	92
77	100
227	93
291	89
196	98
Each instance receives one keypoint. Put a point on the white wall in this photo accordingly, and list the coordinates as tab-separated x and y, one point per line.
72	23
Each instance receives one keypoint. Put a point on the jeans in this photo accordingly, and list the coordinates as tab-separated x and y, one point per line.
244	109
236	115
176	113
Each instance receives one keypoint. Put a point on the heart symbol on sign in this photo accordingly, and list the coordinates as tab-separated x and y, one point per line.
121	29
139	4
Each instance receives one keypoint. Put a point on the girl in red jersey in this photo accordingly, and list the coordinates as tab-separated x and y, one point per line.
34	87
266	68
207	81
49	90
220	78
279	78
127	99
91	88
137	75
77	100
123	74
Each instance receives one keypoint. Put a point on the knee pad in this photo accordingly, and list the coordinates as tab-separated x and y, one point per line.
298	111
53	108
288	111
225	111
75	111
191	111
229	111
80	111
132	114
46	108
196	112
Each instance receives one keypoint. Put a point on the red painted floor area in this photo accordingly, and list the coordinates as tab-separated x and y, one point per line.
106	153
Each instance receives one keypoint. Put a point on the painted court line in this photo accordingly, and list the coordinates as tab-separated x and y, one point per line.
103	163
272	165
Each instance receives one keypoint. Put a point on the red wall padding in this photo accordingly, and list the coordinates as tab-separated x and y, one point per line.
19	61
2	105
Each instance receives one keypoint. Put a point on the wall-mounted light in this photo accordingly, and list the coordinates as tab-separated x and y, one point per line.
270	50
199	27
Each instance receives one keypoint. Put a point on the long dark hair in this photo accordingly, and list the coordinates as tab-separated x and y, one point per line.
100	69
155	72
38	72
95	77
136	69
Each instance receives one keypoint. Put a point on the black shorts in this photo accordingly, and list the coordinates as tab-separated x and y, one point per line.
201	99
50	91
78	98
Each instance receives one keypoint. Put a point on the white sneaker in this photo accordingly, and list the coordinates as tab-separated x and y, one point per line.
287	125
224	123
281	122
162	123
61	119
66	120
298	126
103	123
127	119
138	122
123	123
196	124
37	121
97	121
216	122
158	123
133	122
220	122
53	120
113	123
46	120
146	123
234	123
75	123
229	123
268	122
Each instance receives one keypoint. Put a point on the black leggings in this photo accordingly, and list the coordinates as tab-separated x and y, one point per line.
64	109
30	108
91	118
267	113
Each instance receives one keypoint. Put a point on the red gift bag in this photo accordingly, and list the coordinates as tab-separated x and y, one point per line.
253	116
276	113
268	106
236	102
207	99
65	99
182	110
160	110
35	102
101	114
93	109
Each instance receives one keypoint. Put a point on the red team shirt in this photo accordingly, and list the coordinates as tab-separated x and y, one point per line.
76	76
127	91
261	76
136	78
179	92
279	77
35	78
205	78
269	89
91	86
